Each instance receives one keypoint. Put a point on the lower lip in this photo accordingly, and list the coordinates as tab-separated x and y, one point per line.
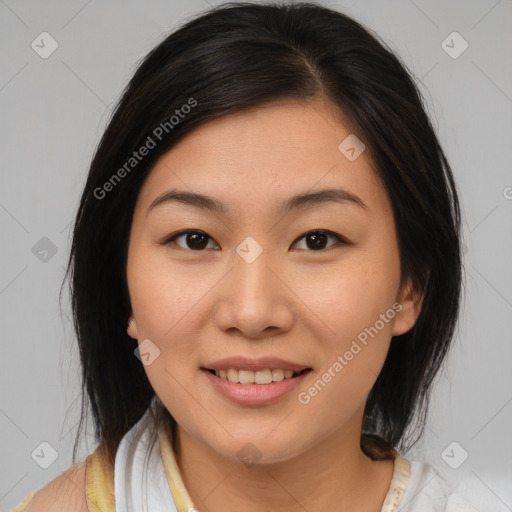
254	394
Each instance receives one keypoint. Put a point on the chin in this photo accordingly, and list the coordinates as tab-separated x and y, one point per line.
250	450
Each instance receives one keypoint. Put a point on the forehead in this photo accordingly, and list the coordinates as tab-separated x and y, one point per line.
259	157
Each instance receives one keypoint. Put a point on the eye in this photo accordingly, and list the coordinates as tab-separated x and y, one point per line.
197	240
194	239
316	239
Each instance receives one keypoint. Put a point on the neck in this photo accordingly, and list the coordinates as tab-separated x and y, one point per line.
334	475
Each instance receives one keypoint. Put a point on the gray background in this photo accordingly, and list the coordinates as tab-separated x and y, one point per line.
53	114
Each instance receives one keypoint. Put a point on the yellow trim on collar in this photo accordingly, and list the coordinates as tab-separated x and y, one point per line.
398	484
179	492
99	483
23	505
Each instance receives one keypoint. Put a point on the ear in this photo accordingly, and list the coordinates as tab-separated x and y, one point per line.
411	301
132	328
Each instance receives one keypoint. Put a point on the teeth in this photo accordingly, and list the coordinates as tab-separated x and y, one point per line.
266	376
263	377
245	377
277	375
233	375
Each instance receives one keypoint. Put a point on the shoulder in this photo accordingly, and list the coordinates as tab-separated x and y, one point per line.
433	488
474	494
65	492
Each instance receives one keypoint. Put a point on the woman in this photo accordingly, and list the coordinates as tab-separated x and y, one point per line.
265	275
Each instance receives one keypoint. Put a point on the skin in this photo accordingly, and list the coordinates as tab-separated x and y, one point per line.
294	301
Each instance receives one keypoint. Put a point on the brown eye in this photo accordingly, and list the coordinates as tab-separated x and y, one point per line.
317	240
194	240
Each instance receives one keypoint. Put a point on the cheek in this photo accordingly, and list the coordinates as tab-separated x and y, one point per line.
162	295
353	357
349	296
355	299
166	304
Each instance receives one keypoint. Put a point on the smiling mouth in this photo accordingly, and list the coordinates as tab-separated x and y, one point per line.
266	376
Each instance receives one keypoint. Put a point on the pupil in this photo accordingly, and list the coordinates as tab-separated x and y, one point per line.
195	237
318	240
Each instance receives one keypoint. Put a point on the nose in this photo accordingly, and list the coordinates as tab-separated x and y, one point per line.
254	300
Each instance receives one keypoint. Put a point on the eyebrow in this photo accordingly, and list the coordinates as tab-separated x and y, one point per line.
295	203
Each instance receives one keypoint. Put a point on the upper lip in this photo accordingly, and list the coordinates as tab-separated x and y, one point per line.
245	363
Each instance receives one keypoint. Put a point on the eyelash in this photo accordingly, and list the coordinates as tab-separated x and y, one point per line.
328	233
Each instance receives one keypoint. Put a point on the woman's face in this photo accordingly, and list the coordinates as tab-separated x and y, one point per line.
258	283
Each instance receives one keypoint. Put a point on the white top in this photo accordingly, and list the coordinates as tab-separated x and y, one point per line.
429	489
142	480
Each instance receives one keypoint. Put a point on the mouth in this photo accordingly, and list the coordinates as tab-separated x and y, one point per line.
263	377
255	388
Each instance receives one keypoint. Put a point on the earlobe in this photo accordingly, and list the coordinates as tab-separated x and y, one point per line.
132	329
411	301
